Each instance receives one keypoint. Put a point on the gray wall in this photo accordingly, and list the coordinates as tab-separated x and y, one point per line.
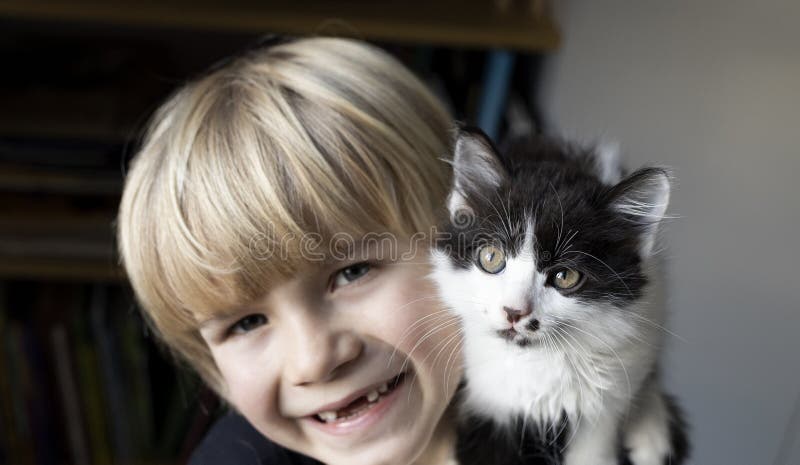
712	89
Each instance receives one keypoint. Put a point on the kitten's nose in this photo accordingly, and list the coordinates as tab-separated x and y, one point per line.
513	315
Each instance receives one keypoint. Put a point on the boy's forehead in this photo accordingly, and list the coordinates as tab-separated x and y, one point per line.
315	251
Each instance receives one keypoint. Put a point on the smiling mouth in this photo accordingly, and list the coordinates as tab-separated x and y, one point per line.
360	405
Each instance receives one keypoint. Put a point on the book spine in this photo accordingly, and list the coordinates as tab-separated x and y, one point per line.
108	355
69	395
21	449
92	397
6	432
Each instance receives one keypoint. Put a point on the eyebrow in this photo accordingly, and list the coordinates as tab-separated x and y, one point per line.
222	315
356	250
215	320
358	245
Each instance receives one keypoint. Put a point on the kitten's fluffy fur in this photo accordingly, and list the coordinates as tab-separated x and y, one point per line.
579	368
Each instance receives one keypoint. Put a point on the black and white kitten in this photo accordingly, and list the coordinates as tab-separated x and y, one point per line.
549	260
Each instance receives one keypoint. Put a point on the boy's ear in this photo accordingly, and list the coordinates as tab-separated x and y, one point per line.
642	198
477	168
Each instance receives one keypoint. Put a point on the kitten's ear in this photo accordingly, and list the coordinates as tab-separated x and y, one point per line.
476	168
642	198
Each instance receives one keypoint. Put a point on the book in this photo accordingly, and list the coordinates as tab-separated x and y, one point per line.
112	376
90	384
70	399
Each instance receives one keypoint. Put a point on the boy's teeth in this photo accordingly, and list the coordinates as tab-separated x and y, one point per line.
372	396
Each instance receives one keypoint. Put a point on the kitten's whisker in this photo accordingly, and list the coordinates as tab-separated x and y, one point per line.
455	350
584	359
507	209
439	324
443	308
659	326
430	333
442	313
415	374
550	346
456	362
621	363
634	336
443	344
561	207
505	217
556	338
499	215
567	244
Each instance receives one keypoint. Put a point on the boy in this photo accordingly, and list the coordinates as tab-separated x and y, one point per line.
269	227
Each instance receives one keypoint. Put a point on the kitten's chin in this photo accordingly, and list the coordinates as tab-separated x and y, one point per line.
514	337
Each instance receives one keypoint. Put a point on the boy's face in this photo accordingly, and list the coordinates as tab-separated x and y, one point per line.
307	364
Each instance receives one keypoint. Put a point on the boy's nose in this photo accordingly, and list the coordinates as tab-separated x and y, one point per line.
316	356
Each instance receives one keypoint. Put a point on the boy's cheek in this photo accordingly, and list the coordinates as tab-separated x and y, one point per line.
421	325
250	383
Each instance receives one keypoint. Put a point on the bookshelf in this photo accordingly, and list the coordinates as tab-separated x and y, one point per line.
521	25
81	79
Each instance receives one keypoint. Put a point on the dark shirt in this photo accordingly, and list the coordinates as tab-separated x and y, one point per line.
233	441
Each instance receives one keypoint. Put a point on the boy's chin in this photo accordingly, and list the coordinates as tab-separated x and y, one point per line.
401	451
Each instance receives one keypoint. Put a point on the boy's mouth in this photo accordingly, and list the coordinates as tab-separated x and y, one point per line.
361	404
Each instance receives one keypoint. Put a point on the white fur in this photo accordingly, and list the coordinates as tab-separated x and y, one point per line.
650	204
591	371
647	434
474	168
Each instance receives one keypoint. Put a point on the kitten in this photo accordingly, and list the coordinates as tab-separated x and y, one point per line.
549	260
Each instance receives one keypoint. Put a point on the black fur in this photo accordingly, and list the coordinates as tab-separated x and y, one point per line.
576	226
557	185
481	442
678	432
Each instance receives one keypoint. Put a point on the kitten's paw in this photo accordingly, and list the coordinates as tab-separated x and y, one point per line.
648	440
649	445
658	437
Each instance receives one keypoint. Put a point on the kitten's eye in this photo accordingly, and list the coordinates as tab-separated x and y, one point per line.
491	259
351	273
248	323
566	279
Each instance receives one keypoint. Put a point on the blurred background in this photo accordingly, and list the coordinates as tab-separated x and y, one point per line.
710	88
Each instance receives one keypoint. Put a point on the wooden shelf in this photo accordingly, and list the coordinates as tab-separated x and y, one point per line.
60	269
479	24
49	237
24	179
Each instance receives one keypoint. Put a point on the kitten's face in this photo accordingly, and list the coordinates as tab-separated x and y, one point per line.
540	246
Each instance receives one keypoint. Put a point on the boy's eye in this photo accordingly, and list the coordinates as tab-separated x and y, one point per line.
248	323
351	273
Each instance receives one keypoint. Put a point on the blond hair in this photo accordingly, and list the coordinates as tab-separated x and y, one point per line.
316	135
